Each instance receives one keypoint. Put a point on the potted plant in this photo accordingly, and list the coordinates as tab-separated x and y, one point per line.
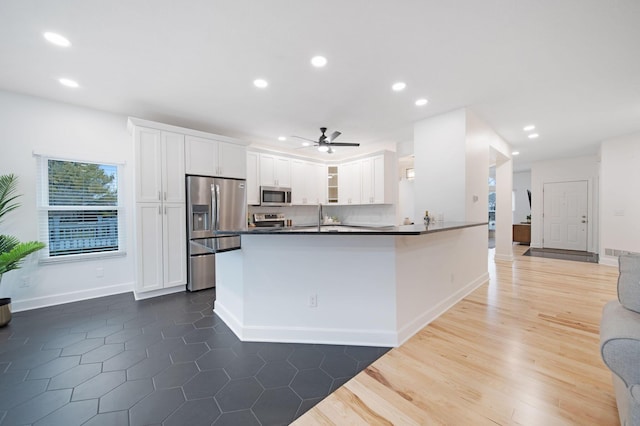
12	251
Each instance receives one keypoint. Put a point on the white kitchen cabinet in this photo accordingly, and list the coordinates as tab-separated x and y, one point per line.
377	179
160	209
275	170
253	185
161	246
300	180
209	157
308	185
350	184
332	184
319	192
159	166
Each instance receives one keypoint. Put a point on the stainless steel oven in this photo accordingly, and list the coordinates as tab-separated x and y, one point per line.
275	196
269	220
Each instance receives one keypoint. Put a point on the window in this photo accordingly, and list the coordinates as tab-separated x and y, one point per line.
80	211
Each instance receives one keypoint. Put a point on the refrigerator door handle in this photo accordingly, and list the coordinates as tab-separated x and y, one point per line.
215	206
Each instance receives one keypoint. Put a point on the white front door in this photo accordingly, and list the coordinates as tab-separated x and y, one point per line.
565	215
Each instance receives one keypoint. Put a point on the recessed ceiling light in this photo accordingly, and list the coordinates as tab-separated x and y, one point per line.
305	144
318	61
57	39
533	135
282	138
323	148
515	153
399	86
68	82
260	83
529	128
421	102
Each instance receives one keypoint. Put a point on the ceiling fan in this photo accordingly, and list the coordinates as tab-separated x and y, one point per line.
325	143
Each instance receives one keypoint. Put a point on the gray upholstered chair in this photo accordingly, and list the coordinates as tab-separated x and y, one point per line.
620	340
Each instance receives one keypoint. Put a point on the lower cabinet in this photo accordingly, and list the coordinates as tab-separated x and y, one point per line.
161	246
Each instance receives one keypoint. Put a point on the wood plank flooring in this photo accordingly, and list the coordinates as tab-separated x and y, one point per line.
521	350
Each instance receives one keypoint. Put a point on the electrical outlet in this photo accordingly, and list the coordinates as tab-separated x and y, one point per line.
313	301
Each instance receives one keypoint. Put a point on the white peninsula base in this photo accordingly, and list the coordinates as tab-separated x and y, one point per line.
375	290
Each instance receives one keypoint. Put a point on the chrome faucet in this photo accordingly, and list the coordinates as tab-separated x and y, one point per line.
319	216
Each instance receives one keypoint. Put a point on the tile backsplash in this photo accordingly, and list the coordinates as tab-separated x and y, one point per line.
366	214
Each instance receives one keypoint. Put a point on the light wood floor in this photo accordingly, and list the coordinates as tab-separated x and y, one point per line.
521	350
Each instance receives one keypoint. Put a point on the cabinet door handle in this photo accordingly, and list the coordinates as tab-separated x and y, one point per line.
165	209
159	209
165	195
159	197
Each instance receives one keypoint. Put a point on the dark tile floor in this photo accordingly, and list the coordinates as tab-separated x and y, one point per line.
168	360
578	256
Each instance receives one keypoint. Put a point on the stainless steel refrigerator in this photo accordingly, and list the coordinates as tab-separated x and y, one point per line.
212	204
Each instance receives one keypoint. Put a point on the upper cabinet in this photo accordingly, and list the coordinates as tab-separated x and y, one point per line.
275	171
332	184
350	184
308	182
159	166
367	181
209	157
377	179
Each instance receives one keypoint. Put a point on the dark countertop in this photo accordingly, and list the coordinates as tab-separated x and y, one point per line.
357	229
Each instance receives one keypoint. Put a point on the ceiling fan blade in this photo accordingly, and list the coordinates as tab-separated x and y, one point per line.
344	144
334	135
306	139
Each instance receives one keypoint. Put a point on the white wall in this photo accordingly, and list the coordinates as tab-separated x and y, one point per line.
439	148
564	170
482	146
619	196
406	201
521	182
29	124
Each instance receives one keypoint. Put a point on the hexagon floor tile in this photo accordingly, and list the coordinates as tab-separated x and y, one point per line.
165	360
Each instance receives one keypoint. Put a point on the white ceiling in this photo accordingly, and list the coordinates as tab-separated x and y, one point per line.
570	67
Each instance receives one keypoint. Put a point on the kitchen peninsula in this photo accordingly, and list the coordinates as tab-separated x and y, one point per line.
347	285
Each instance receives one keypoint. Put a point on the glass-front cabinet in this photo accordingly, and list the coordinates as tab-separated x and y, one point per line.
332	184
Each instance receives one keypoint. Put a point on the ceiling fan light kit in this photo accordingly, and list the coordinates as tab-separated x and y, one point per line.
326	143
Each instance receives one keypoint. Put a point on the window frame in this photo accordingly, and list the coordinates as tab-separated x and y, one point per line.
44	208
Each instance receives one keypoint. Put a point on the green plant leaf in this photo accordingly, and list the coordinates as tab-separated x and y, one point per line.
13	258
8	196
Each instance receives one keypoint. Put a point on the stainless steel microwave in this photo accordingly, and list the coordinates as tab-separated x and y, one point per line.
275	196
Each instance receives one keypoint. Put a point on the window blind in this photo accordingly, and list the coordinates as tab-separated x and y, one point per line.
79	207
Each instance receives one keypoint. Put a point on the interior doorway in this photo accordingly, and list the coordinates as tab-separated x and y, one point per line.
492	207
565	219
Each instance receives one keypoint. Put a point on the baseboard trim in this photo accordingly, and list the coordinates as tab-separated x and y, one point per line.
503	257
73	296
326	336
406	332
161	292
231	320
608	261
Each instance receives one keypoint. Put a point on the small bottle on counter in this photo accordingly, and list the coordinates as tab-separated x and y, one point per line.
427	218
